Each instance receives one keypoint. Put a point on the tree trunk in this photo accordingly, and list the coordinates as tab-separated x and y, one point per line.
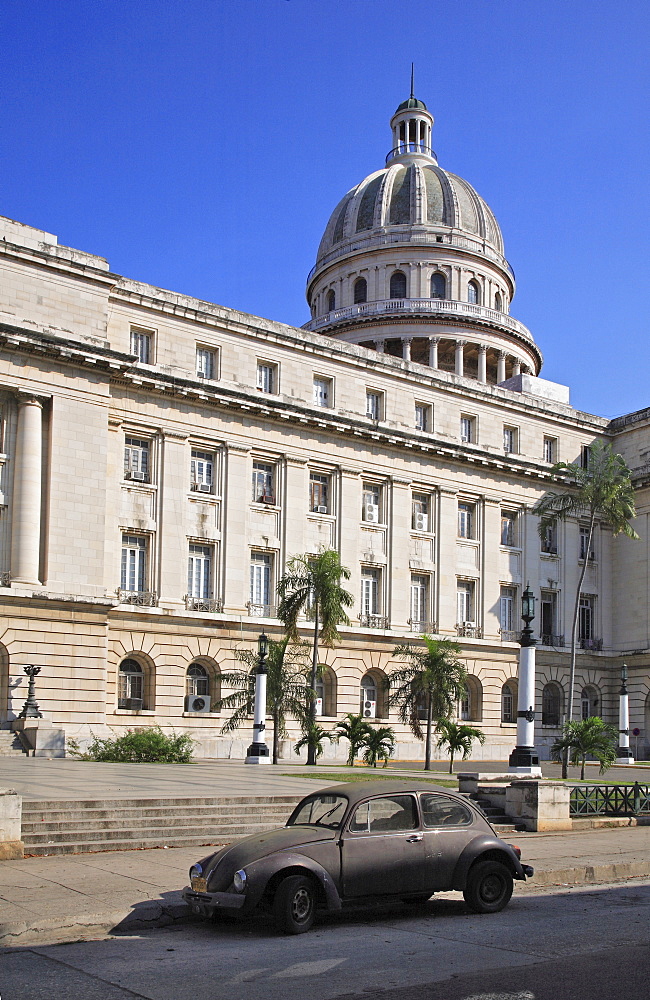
427	749
574	636
311	752
582	772
451	762
276	738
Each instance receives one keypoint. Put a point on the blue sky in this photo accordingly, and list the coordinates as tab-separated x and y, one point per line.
200	145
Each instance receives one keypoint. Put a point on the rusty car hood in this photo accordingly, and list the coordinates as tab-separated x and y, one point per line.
259	845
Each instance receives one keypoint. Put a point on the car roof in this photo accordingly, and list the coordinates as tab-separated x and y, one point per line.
355	791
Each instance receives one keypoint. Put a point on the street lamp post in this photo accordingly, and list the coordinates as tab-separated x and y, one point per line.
524	758
30	708
623	752
258	752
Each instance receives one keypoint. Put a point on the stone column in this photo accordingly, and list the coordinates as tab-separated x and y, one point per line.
516	368
236	506
380	346
501	367
446	560
433	351
406	348
460	363
398	583
482	363
26	515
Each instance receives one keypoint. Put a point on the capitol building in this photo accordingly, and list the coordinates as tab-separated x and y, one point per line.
163	457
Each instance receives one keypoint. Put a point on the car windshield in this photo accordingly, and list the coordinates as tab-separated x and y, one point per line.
320	810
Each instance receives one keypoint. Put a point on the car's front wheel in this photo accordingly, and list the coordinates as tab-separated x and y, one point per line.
488	888
294	904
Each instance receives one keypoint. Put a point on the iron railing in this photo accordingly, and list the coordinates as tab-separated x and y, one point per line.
5	579
594	644
549	639
610	800
424	628
142	598
262	610
509	635
203	604
373	621
469	631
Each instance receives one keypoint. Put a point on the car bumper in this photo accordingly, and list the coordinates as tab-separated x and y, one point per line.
528	870
206	904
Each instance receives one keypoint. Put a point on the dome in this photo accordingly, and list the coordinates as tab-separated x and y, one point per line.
410	194
412	103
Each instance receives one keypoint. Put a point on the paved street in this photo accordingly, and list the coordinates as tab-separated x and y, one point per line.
547	945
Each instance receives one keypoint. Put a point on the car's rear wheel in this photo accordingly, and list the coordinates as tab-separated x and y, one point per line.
294	904
488	888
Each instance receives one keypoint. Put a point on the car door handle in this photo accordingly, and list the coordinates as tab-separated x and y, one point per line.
415	839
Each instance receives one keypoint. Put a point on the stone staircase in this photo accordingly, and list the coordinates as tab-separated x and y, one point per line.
10	745
492	806
76	827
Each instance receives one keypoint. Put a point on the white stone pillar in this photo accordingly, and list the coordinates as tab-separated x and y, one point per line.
406	348
482	363
516	368
623	752
460	361
258	752
26	514
523	759
380	346
433	351
501	367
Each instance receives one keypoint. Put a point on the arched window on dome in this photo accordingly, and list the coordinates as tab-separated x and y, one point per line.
360	291
498	301
473	293
438	286
331	300
398	285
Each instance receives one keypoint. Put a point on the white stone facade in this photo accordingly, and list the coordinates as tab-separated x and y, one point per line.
163	457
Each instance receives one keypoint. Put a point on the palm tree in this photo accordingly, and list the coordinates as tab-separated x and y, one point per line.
312	738
600	492
312	583
433	681
355	729
287	690
458	739
587	738
379	745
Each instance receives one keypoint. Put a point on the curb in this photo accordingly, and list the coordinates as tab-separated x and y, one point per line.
157	913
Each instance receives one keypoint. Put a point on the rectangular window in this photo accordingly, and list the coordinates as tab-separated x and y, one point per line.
319	493
510	440
133	576
322	392
142	345
420	599
465	602
585	456
199	572
549	538
261	573
467	429
507	609
586	619
422	417
370	595
267	377
374	405
548	625
136	459
466	520
371	508
206	362
508	526
586	552
550	450
263	483
421	512
201	471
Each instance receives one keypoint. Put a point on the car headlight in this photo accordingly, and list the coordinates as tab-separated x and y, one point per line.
239	880
196	871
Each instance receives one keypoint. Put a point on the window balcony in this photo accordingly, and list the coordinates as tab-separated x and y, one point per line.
262	610
550	639
141	598
5	579
509	635
424	628
595	645
203	604
466	630
373	621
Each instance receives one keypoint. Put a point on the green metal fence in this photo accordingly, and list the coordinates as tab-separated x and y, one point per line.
610	800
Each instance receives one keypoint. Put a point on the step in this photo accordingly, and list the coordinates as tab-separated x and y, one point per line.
128	803
101	815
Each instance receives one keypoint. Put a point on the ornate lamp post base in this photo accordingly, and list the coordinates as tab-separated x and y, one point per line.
258	753
524	760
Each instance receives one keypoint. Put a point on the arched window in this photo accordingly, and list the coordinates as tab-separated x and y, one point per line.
498	301
438	286
360	291
471	704
197	680
473	293
552	704
331	300
130	686
590	701
326	692
398	285
372	703
509	701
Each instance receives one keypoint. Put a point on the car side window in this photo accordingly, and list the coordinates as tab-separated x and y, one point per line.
442	810
387	814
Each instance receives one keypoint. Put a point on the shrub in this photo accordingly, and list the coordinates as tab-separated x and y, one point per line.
138	746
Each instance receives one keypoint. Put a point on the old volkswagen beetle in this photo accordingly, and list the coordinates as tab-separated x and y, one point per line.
359	843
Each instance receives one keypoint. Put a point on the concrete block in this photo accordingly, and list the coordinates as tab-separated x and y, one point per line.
540	805
11	846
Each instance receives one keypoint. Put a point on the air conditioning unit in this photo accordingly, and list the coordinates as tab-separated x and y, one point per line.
138	477
205	488
421	522
369	709
135	704
371	513
319	706
321	509
201	375
197	703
